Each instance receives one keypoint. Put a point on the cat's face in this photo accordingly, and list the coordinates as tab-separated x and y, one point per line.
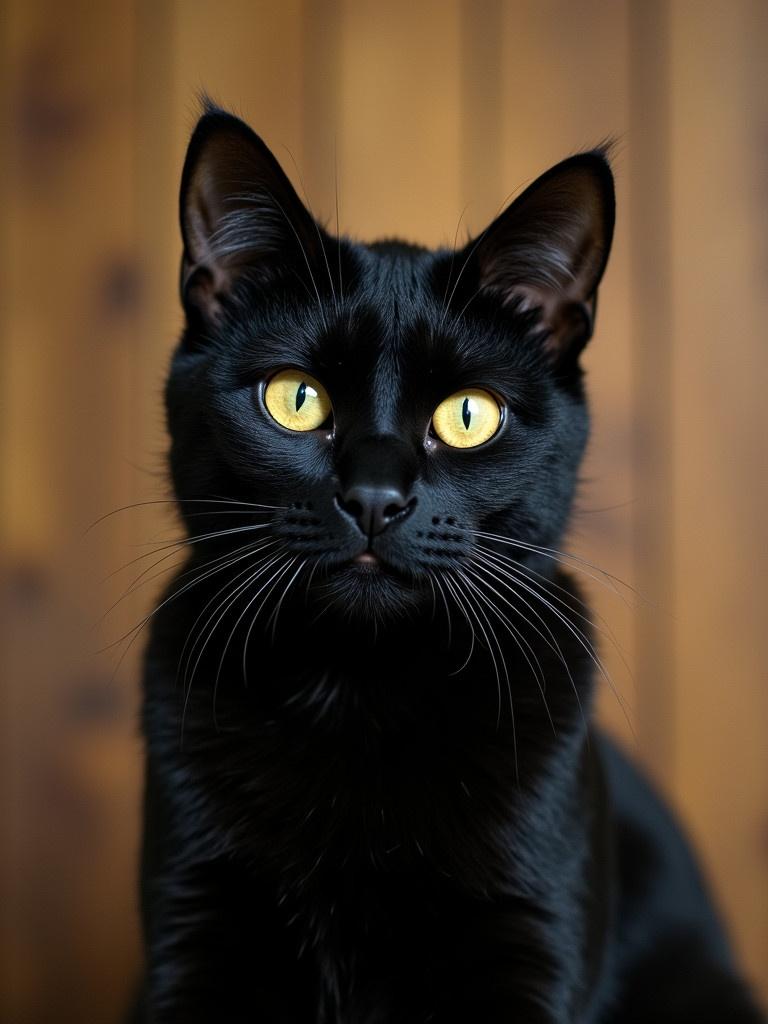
394	409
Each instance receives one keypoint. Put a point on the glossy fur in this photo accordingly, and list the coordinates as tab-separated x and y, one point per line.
374	794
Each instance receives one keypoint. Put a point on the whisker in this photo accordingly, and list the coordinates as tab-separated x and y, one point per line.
183	541
483	565
518	636
219	592
434	597
225	604
472	608
229	512
202	639
457	316
137	629
171	597
338	231
460	604
454	590
308	583
476	574
584	642
270	561
510	560
250	197
277	577
273	616
503	562
469	256
556	555
317	227
177	502
444	305
136	585
450	628
519	639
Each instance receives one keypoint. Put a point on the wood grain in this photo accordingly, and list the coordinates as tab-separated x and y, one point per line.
419	113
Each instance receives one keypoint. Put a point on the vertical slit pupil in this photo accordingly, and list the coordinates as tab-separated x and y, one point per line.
301	394
466	413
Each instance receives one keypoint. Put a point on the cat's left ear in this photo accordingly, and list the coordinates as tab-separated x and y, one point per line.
240	217
547	251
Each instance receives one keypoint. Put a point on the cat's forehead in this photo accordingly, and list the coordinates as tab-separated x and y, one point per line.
388	303
391	328
400	316
388	325
395	278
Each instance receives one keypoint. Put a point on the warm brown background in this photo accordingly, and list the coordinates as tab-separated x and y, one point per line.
423	107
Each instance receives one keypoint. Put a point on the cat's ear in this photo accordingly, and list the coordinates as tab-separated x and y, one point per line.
547	251
240	215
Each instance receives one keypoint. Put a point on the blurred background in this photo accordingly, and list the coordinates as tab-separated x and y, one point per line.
421	110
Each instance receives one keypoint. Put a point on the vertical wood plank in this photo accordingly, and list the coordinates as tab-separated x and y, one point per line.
652	383
720	420
560	97
399	159
248	56
321	107
481	112
423	108
71	291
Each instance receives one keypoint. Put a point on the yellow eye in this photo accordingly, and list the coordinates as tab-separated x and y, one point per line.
467	418
296	400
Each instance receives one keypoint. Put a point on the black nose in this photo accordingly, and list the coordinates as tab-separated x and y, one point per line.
374	507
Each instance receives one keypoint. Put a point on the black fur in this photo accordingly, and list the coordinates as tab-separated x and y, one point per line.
354	811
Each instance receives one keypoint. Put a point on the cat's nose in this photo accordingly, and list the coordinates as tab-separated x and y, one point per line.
374	507
376	474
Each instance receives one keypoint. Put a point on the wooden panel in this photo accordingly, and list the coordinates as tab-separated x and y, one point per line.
559	98
399	160
71	288
720	422
421	109
652	384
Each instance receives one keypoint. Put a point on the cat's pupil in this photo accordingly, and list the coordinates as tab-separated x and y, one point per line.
301	395
466	413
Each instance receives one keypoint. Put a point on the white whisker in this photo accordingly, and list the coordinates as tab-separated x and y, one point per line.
481	611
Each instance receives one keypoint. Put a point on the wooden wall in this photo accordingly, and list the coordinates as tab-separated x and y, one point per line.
421	108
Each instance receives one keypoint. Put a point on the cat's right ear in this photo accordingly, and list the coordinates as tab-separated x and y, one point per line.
546	253
240	216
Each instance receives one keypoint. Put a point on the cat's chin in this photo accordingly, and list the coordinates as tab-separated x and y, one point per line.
366	588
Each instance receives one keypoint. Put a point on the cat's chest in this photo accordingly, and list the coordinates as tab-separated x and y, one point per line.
343	789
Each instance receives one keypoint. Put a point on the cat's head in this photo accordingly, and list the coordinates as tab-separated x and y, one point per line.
390	411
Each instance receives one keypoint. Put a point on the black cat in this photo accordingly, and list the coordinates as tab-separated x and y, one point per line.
373	790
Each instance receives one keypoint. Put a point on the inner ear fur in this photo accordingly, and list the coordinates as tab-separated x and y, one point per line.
548	250
239	214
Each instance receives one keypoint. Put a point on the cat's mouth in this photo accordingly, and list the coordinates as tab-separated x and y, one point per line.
369	566
367	559
368	585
